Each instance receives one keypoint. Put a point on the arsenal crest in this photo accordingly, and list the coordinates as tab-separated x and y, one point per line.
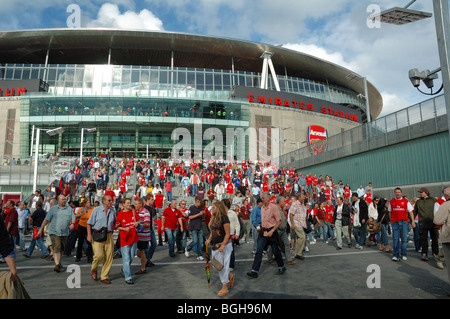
60	167
317	139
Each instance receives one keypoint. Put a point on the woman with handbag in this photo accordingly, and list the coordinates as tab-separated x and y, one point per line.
83	213
374	227
383	218
219	239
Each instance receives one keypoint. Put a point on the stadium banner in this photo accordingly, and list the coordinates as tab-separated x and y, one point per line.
290	100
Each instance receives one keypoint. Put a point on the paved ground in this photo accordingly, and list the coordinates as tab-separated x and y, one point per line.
325	273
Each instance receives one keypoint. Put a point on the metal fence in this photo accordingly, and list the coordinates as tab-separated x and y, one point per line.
19	171
422	119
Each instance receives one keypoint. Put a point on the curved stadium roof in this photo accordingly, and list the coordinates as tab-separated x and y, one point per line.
131	47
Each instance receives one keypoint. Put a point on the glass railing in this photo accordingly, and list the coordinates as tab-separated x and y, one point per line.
162	81
422	119
17	170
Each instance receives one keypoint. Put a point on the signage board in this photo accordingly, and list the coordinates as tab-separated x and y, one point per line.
291	100
317	139
10	88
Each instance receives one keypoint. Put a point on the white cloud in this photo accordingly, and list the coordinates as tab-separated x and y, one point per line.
382	55
392	103
322	53
109	16
336	31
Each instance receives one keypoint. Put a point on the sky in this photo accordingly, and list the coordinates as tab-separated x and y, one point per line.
338	31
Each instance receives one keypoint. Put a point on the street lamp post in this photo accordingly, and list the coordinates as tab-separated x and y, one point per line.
146	145
441	17
90	130
354	78
51	132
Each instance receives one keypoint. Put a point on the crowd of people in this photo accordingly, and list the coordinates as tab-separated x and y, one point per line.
280	211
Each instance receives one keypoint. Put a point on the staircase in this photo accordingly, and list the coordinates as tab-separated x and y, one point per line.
178	194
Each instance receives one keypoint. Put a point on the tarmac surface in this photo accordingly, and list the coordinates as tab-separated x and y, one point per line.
325	273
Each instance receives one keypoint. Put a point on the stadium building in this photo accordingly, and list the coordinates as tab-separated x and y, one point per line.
136	87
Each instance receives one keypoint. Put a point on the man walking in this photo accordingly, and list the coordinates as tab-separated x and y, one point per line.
424	208
62	221
36	219
195	216
360	232
255	218
270	221
399	210
102	216
442	218
170	218
282	234
297	216
341	219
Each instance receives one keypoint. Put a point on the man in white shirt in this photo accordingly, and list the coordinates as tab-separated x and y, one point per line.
341	218
220	190
142	191
255	191
156	189
23	213
360	191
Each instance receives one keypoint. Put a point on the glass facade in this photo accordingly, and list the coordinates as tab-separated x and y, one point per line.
124	125
125	80
133	106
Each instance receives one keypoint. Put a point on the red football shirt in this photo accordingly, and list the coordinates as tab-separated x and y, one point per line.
399	209
127	219
329	211
171	218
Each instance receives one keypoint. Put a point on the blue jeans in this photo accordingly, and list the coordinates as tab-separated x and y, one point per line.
21	242
171	236
152	247
13	252
321	230
262	242
329	232
382	236
181	239
197	238
169	196
128	253
194	188
361	234
255	235
417	237
40	243
399	232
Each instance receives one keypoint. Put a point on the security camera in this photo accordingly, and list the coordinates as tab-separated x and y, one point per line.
428	81
426	76
415	76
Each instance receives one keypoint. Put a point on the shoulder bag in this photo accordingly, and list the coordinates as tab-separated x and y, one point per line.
102	234
377	225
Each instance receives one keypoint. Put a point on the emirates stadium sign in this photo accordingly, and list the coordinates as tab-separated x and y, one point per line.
11	88
295	101
317	139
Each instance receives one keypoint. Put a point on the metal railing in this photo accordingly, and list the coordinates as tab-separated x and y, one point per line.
16	170
422	119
